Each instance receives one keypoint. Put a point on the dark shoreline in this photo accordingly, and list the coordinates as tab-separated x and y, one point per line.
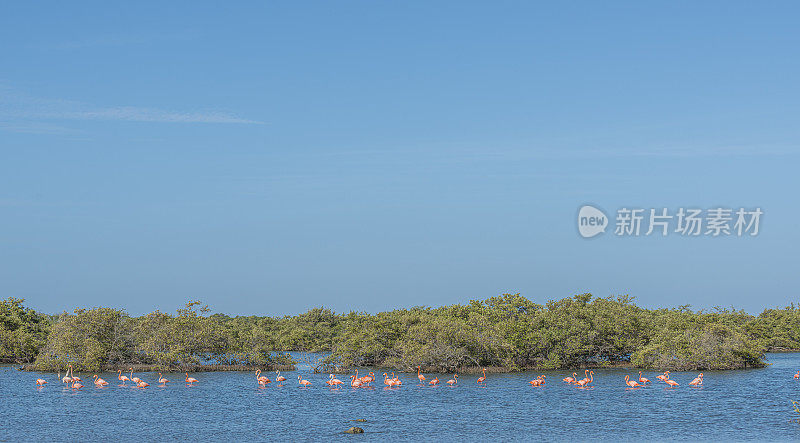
461	370
181	368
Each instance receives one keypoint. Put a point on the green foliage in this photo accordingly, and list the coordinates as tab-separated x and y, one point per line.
506	331
512	332
103	338
23	331
89	339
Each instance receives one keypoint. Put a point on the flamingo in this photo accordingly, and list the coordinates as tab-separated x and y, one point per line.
303	383
453	381
482	379
333	381
72	374
354	382
663	376
67	379
122	378
390	382
672	383
582	383
642	380
698	381
142	384
572	379
162	380
420	376
538	381
40	382
434	382
796	376
76	385
99	382
134	379
586	376
262	380
631	383
279	378
190	380
368	378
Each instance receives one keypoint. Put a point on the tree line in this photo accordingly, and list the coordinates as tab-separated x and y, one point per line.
508	332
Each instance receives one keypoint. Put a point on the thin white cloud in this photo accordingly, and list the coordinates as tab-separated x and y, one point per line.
20	111
33	127
112	40
130	114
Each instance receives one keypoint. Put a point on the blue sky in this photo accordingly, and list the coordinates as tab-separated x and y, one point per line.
266	158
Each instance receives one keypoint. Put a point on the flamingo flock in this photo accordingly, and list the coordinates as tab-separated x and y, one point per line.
74	382
642	382
572	380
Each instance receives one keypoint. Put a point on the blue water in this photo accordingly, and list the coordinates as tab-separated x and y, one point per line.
742	405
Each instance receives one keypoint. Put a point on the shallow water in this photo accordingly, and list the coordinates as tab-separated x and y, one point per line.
742	405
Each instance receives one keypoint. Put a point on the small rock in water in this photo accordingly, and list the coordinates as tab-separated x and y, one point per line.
354	430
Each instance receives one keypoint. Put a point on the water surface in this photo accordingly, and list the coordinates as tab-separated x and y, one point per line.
741	405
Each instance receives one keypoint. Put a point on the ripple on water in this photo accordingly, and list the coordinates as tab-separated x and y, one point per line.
750	404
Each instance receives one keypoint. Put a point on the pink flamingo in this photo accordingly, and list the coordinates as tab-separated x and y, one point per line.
122	378
671	383
190	380
538	381
303	383
582	383
482	379
40	382
134	379
453	381
355	382
796	376
76	385
99	381
262	380
642	380
397	381
572	379
698	381
142	384
420	376
332	381
67	379
367	379
162	380
663	376
74	377
279	378
434	382
631	383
